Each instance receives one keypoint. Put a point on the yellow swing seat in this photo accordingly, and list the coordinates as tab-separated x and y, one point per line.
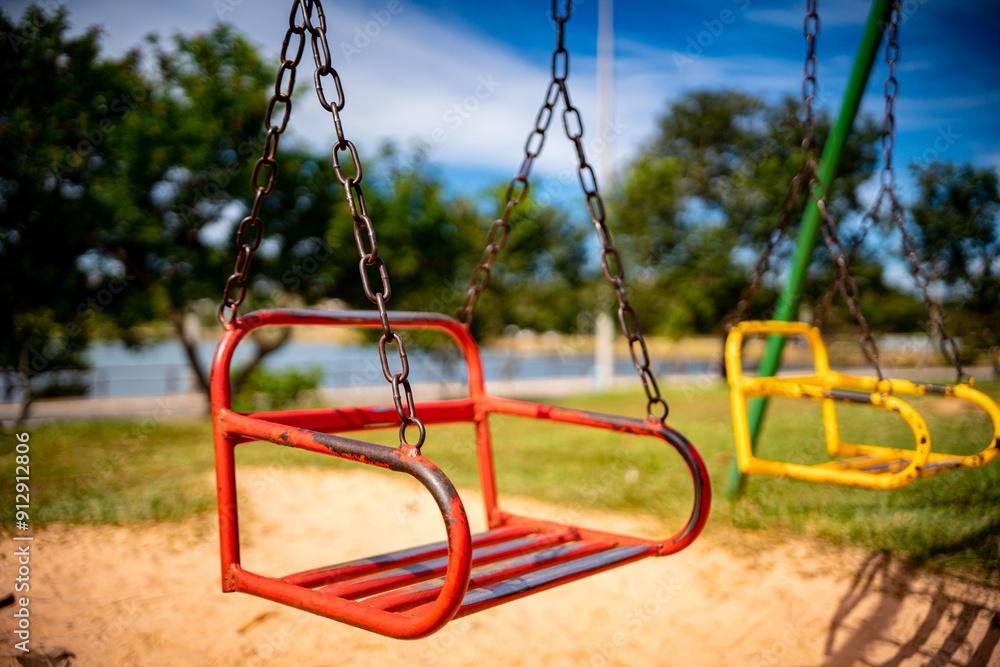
860	465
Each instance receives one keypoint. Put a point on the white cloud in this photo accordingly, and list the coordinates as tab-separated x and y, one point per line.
833	15
413	75
421	78
990	160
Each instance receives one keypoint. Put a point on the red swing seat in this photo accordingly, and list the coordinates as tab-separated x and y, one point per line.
414	592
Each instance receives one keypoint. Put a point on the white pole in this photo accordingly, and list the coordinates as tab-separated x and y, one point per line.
604	359
606	87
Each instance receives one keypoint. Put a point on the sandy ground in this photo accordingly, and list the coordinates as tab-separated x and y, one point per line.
150	596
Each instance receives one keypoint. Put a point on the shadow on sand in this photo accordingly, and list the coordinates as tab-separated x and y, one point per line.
895	615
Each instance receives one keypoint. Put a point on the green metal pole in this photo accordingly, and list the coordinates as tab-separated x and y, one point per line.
788	302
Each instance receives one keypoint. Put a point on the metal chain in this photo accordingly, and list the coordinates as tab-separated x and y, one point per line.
948	346
808	175
867	221
371	263
267	163
887	178
896	211
845	282
810	28
611	261
888	140
890	88
805	175
777	234
517	190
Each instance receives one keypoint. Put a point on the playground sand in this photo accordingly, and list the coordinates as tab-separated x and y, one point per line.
150	596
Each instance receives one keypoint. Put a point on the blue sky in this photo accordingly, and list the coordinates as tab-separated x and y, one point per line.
467	77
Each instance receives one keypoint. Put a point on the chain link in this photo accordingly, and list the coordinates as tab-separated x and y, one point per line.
844	282
808	179
890	88
235	290
517	190
804	177
887	177
371	264
777	234
949	348
887	197
835	287
948	345
810	28
611	261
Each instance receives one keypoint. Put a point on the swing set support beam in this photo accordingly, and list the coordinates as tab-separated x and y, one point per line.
788	302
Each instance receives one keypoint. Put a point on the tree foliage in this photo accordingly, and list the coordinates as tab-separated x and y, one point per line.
189	155
124	180
956	219
700	201
59	107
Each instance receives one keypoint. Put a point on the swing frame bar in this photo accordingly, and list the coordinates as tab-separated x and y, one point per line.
584	551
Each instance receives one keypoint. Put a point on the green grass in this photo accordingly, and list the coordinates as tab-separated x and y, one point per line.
114	472
944	522
126	473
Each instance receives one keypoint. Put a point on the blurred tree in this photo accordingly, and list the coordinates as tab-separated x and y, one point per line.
189	160
184	159
60	107
431	243
151	163
699	202
425	236
542	279
957	218
188	174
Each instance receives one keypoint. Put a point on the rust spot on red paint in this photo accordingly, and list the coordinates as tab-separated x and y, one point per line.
229	580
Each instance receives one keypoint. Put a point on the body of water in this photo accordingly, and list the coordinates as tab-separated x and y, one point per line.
161	368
